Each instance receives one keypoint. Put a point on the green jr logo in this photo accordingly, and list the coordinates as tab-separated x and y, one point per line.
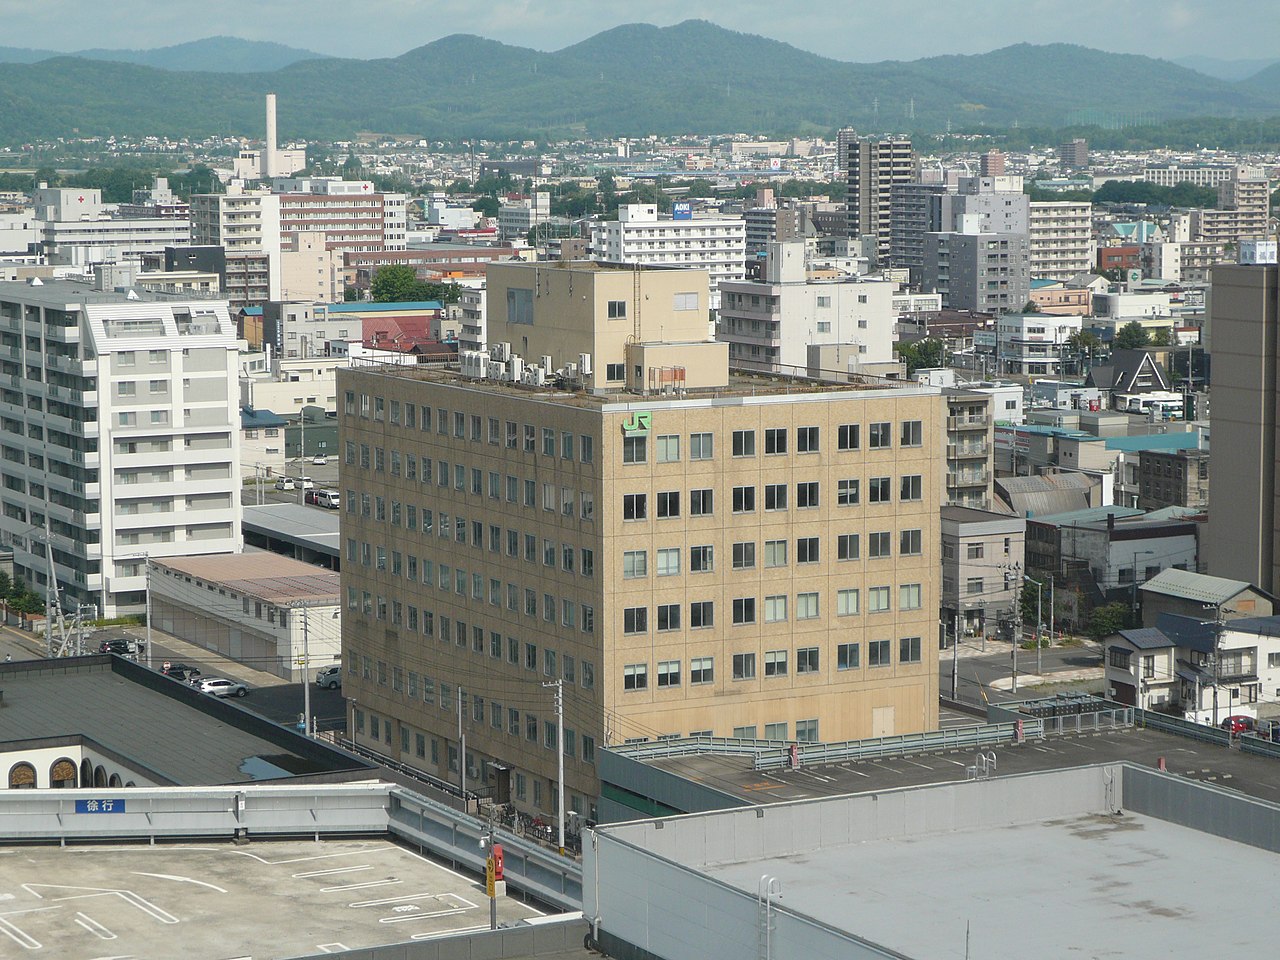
638	422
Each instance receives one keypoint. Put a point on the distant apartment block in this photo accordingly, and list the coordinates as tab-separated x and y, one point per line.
873	169
1074	154
981	272
75	229
1061	239
771	324
120	423
639	236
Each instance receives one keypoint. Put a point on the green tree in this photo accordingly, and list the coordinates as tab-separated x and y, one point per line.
1031	307
1162	337
929	352
6	584
1132	336
486	206
394	284
1106	620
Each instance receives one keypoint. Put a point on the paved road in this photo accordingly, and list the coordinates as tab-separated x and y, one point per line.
976	672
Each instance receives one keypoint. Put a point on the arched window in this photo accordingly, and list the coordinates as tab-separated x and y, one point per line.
86	773
115	780
63	774
99	777
130	784
22	776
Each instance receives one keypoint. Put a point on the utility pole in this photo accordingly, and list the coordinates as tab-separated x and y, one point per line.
302	453
559	687
148	612
462	753
955	659
1013	573
306	676
1050	609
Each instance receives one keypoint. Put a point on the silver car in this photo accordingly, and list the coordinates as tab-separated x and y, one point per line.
221	687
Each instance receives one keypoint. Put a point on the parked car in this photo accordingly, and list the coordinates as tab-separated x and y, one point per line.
320	460
122	646
329	499
306	483
330	678
221	687
1238	724
285	483
182	671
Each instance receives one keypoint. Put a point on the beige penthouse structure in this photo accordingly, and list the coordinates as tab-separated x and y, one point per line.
689	549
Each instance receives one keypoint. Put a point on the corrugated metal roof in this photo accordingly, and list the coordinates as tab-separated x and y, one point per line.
1089	515
1147	638
1194	586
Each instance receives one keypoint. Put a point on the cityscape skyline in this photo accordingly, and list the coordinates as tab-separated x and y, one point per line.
1181	29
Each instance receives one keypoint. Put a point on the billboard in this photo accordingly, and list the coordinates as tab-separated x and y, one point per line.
682	210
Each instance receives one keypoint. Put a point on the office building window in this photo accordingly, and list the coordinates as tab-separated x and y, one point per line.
744	499
909	596
635	620
775	609
775	441
910	543
635	506
806	440
635	450
847	546
878	653
775	553
847	436
807	606
668	617
911	488
775	663
635	676
701	614
701	503
701	559
668	673
668	561
878	599
744	666
744	555
744	443
701	670
847	656
879	436
744	610
807	495
909	650
775	496
879	545
635	564
701	446
846	493
807	550
807	660
668	447
912	433
668	504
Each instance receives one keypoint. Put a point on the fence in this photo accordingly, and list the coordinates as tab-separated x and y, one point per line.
686	746
955	738
1182	728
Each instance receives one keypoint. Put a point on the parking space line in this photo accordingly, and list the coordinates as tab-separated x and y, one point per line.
18	936
448	933
94	927
434	915
332	947
360	886
405	899
329	873
322	856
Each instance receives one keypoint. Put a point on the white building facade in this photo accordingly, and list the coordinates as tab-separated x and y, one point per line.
1034	343
121	424
717	245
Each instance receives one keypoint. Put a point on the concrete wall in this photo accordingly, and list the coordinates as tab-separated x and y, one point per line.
642	880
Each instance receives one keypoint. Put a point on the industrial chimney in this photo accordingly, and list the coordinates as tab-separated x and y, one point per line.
269	148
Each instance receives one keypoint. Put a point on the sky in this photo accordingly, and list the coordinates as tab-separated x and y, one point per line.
858	30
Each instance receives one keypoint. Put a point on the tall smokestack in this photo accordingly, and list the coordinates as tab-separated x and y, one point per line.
269	148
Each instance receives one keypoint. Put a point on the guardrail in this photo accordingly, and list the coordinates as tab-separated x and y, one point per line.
955	738
1182	728
1108	719
1250	743
684	746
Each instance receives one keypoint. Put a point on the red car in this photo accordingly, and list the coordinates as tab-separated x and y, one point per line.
1238	724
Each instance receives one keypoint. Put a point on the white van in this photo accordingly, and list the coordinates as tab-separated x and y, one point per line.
329	499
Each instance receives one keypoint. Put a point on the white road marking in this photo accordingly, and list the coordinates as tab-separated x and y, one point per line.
452	873
18	936
406	898
914	764
956	762
424	916
332	947
94	927
166	876
323	856
448	933
328	873
359	886
859	772
128	896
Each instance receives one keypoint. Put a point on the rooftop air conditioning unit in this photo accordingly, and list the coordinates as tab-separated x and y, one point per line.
584	364
546	363
516	369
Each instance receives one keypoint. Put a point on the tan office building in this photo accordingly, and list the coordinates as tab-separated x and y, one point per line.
733	555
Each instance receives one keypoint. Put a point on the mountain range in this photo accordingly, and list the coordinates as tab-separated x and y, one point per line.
212	54
636	79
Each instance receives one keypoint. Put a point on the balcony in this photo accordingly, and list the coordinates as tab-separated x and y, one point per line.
967	451
967	478
968	423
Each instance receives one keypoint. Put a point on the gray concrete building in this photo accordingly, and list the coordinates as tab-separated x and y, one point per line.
981	272
1246	358
978	549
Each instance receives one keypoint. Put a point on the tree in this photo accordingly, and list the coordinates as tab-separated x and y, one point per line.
1162	337
929	352
394	284
1106	620
1031	307
6	584
486	206
1084	340
1132	336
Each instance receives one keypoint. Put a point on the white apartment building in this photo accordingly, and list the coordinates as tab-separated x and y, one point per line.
1034	343
120	431
770	324
310	271
1173	174
242	222
639	236
1061	239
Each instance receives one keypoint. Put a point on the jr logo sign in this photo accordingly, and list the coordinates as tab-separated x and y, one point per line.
638	422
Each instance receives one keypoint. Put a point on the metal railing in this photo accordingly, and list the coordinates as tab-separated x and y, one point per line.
685	746
955	738
1252	743
1182	728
